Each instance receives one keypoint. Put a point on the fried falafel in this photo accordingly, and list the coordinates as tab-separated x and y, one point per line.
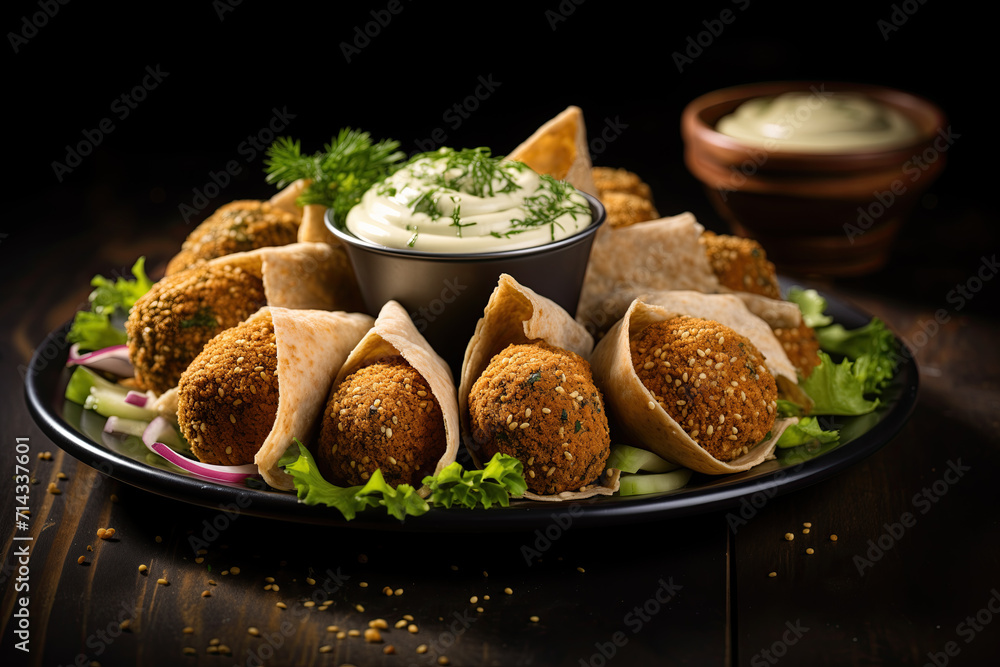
539	404
741	264
801	346
170	324
236	227
624	209
711	380
610	179
383	416
227	398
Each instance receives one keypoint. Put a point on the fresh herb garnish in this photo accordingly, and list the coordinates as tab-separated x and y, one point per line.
339	174
109	302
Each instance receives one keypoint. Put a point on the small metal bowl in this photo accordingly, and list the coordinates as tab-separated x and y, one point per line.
445	293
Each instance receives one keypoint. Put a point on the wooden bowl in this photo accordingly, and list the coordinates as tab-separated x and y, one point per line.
815	213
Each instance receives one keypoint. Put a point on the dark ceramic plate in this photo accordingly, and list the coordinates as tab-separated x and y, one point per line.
79	432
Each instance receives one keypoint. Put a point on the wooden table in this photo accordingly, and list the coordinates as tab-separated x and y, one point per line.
914	574
912	577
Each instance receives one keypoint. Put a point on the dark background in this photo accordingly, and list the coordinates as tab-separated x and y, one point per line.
228	69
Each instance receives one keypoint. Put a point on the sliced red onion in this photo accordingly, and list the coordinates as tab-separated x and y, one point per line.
136	398
112	359
158	430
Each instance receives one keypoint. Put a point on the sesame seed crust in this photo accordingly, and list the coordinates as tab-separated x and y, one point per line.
801	346
170	324
224	408
741	264
611	179
385	417
710	380
562	438
235	227
624	209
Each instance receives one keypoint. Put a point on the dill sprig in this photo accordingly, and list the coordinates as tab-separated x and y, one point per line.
339	174
547	206
474	171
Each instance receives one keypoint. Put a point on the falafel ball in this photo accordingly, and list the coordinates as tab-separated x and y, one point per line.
227	399
385	417
801	346
741	264
610	179
236	227
710	379
170	324
624	209
539	404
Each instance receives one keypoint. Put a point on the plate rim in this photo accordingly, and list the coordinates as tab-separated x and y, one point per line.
45	376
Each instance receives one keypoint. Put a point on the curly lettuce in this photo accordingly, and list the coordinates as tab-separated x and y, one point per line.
109	303
500	480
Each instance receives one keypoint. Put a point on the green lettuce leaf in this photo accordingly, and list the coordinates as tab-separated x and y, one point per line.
836	389
812	306
807	431
312	489
873	348
494	485
109	302
94	331
120	294
501	479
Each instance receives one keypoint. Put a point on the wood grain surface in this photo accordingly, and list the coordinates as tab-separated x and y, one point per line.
913	578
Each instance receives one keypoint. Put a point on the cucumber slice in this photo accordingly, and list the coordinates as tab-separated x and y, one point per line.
81	381
110	402
126	426
632	459
638	485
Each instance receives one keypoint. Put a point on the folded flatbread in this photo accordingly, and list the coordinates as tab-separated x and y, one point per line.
655	430
393	333
515	314
559	148
312	347
302	275
655	256
312	228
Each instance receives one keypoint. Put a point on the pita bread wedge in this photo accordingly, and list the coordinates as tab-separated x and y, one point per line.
559	148
655	256
654	429
310	275
312	347
302	275
286	198
393	333
515	314
312	228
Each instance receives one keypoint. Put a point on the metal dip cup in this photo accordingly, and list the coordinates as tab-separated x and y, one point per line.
445	293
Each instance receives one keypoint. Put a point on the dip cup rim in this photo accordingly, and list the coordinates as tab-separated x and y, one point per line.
597	218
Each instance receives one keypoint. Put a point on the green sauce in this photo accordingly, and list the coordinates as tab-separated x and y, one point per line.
827	123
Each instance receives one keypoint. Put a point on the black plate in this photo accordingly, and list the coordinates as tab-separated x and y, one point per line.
79	432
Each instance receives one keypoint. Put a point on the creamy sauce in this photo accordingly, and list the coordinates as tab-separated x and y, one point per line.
828	123
456	201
